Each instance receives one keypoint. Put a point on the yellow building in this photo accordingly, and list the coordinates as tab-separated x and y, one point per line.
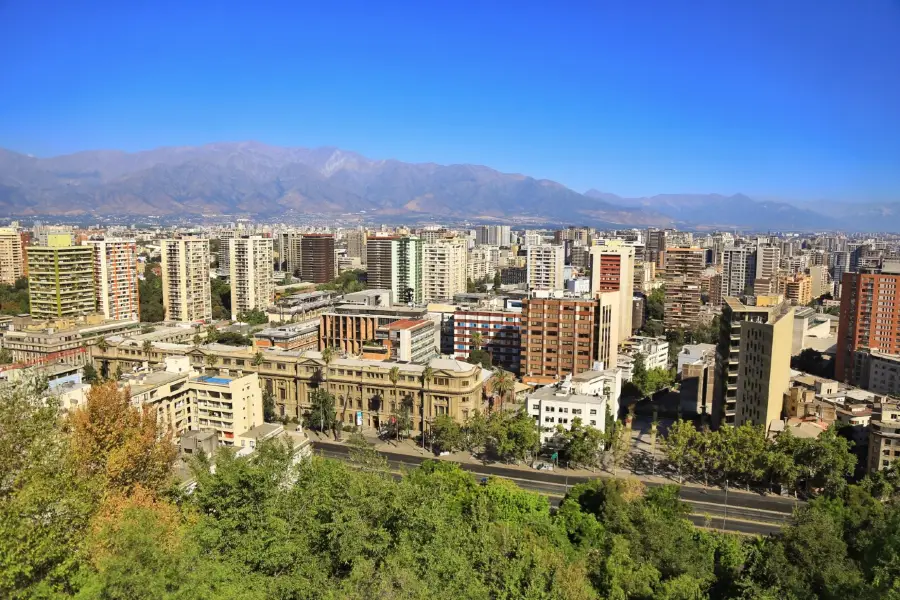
61	279
11	263
764	367
363	391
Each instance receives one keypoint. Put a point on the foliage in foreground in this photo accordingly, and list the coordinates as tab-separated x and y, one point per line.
82	517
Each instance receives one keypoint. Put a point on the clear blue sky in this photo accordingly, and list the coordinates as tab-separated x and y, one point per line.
796	99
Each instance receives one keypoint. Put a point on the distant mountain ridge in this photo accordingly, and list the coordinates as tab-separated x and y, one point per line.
251	178
257	179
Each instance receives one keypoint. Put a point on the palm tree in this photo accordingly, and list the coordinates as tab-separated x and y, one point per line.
211	361
147	347
427	376
103	345
477	340
504	383
328	355
258	359
197	339
394	376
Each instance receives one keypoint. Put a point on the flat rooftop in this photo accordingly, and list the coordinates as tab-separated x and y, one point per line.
558	394
215	380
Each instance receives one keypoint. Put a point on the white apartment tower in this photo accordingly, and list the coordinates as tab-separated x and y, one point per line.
444	269
768	261
116	278
252	280
492	235
738	270
545	264
395	263
185	279
12	266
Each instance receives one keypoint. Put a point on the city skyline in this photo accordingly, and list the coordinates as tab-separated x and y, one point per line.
771	101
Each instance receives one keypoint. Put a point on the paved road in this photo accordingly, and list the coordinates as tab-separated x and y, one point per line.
745	513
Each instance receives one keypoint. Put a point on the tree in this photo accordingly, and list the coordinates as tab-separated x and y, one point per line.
477	340
582	445
89	374
220	295
497	281
446	434
322	415
513	437
504	384
476	430
211	360
197	340
394	377
656	302
678	442
120	444
268	406
639	373
147	348
5	356
427	377
254	317
212	334
102	345
258	359
150	296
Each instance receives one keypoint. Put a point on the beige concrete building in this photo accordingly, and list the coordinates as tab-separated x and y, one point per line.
884	435
348	327
185	279
364	394
116	278
444	269
728	350
684	267
12	265
796	288
62	340
545	264
768	262
612	270
251	275
184	400
764	365
61	280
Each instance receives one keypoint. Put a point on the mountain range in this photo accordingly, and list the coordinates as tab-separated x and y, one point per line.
254	179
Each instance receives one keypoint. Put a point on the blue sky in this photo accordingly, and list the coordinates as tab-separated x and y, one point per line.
794	99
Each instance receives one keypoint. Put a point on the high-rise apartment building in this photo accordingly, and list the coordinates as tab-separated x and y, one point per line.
223	256
12	265
657	242
768	310
764	367
684	268
252	279
796	288
818	280
768	261
738	270
444	269
356	244
395	263
317	257
562	336
501	336
185	279
612	270
287	245
61	279
533	238
545	265
492	235
869	317
116	278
